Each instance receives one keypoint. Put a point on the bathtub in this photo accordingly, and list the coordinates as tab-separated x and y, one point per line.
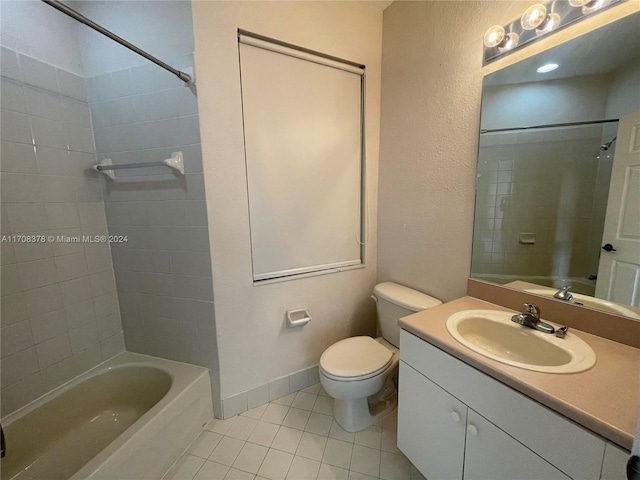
128	418
578	285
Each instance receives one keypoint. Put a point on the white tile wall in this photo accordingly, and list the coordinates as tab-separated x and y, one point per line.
535	185
163	271
54	325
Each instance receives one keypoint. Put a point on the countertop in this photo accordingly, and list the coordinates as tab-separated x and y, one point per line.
604	399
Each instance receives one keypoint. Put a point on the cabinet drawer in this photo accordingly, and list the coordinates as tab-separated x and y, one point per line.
571	448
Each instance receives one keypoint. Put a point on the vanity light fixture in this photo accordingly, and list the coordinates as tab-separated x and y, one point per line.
549	24
533	16
594	6
538	20
509	43
496	36
548	67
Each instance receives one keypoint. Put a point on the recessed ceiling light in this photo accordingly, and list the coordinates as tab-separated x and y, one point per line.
549	67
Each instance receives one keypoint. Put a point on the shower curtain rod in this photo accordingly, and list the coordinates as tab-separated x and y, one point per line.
98	28
550	125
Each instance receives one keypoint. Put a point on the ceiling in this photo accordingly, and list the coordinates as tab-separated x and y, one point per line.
379	4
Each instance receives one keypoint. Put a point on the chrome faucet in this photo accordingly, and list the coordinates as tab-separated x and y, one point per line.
531	319
563	294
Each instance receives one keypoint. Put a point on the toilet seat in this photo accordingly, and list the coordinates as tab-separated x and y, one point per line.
355	358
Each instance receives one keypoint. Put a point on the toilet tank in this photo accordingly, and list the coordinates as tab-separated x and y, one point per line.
394	301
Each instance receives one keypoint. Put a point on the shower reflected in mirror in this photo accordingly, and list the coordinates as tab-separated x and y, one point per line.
544	188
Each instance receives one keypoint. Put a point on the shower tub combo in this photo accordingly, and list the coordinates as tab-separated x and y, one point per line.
130	417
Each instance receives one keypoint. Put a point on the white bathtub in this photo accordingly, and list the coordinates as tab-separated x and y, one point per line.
128	418
578	285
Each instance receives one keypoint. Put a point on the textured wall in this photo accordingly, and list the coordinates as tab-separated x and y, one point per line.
255	348
431	93
431	87
60	312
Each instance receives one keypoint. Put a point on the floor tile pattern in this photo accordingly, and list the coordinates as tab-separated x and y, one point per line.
294	438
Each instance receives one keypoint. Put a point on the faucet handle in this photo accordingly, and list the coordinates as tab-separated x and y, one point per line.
561	332
532	309
563	294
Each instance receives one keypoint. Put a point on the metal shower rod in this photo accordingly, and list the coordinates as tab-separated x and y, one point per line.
550	125
58	5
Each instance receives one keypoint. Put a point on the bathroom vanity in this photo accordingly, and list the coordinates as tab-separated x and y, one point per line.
464	415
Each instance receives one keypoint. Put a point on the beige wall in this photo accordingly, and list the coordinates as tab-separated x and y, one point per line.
431	93
254	346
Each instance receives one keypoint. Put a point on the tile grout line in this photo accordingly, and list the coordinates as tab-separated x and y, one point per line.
259	418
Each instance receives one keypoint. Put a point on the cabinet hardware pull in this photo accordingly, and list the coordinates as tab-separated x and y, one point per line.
472	430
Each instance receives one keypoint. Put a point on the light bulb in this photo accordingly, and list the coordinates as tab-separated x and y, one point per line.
533	16
578	3
494	36
550	23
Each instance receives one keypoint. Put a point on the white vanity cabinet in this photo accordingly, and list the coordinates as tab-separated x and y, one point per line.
614	466
455	422
492	454
441	435
428	408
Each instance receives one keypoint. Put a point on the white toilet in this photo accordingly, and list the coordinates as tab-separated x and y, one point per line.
361	373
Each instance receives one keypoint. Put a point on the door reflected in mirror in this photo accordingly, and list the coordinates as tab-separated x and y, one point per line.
558	174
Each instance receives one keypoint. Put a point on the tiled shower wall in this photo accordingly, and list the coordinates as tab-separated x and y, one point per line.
540	184
60	313
163	270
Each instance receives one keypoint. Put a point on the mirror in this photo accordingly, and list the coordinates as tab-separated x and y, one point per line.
545	199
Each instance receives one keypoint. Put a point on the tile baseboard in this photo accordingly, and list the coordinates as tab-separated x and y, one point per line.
278	388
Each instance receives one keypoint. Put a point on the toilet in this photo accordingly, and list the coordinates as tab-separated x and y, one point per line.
361	373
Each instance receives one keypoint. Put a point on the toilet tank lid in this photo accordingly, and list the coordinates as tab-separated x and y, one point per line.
405	297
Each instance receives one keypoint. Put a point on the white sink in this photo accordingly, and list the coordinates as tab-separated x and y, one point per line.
492	333
588	301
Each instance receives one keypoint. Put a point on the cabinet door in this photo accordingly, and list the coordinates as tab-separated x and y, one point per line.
614	466
571	448
431	426
491	454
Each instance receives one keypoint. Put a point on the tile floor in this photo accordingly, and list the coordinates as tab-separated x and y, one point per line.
293	438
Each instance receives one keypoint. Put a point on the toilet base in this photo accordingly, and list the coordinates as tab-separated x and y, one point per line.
357	414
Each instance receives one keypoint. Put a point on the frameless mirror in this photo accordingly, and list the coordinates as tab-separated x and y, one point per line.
558	174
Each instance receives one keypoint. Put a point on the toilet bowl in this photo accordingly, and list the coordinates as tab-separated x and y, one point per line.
361	373
352	390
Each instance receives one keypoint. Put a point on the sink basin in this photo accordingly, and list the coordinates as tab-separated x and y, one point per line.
492	333
588	301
